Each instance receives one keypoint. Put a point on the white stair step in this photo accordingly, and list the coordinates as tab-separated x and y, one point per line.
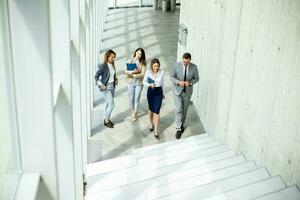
133	173
205	160
177	152
110	165
251	191
177	148
191	140
196	181
149	170
291	193
107	167
217	187
184	157
146	192
118	179
131	160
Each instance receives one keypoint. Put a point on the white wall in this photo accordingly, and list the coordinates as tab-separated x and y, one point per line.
54	47
30	35
10	164
249	66
102	8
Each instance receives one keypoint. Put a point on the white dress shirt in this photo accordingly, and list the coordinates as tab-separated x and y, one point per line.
187	69
112	72
158	79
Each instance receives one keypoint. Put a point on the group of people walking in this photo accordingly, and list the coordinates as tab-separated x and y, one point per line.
184	75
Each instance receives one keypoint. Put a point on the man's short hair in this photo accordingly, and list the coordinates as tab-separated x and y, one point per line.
187	56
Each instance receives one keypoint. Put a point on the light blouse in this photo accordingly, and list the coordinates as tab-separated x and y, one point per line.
135	78
158	78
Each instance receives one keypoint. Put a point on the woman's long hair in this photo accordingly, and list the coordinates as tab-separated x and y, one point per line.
143	56
107	54
153	61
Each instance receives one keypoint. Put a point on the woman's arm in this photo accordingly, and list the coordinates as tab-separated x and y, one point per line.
160	79
98	75
145	80
126	71
163	80
132	72
140	72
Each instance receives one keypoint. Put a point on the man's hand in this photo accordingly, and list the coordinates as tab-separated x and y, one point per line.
187	83
181	83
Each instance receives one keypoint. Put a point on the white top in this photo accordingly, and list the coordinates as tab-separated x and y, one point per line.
112	72
133	60
187	69
158	79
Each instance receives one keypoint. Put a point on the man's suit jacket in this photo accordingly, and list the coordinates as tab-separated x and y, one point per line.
177	74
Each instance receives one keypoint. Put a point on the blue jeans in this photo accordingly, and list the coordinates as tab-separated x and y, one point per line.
134	95
109	95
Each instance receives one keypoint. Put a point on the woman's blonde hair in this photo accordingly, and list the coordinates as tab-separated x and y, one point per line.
107	54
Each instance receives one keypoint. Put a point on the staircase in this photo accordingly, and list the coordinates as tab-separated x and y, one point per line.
198	167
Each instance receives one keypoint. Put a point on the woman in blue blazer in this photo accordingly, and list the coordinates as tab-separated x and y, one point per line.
106	80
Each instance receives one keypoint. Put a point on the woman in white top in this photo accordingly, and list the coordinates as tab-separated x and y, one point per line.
154	79
135	80
106	80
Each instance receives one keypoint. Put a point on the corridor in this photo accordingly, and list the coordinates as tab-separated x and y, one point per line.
124	31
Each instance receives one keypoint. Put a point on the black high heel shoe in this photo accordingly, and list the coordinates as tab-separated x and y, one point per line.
156	135
151	128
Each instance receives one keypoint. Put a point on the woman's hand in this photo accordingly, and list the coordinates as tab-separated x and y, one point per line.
137	71
116	81
103	87
152	85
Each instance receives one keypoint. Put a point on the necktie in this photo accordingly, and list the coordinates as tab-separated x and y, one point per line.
184	79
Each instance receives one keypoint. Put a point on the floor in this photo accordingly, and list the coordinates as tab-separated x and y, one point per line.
125	30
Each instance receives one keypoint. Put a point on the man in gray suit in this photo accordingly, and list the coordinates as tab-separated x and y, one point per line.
183	75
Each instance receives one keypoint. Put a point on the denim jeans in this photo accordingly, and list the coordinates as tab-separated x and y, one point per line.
109	95
135	91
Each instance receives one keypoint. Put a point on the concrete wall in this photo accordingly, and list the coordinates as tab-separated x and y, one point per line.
249	65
